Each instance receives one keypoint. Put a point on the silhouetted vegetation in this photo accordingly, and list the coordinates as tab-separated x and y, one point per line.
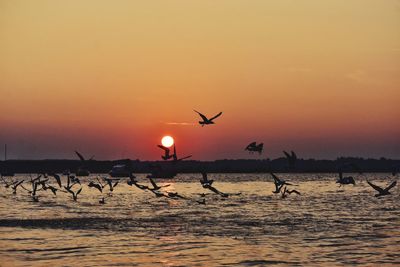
191	166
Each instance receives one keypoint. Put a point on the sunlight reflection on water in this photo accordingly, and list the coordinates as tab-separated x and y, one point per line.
326	225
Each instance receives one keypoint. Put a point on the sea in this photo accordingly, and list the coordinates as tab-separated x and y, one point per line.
326	225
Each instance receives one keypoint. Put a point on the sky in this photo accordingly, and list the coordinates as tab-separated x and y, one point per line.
111	78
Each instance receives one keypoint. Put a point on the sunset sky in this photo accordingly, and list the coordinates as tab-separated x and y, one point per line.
110	78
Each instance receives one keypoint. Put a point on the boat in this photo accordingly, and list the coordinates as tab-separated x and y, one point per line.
120	170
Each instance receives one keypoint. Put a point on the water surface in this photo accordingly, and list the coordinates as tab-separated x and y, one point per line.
327	225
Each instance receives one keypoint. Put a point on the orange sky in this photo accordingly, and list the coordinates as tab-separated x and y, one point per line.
107	77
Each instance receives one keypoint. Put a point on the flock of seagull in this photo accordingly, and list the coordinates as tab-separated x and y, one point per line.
73	186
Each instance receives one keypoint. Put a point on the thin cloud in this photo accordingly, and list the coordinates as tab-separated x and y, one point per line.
180	123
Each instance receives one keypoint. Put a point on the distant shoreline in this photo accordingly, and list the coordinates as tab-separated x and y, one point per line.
217	166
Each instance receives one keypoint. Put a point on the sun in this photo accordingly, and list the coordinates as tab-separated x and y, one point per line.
167	141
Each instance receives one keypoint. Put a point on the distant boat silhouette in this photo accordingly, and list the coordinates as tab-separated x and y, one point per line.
381	191
120	170
205	120
253	147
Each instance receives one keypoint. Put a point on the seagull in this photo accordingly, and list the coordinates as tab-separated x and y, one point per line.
345	180
98	186
285	190
205	181
75	194
155	186
253	147
382	192
215	190
15	186
176	157
278	183
166	156
292	158
71	181
52	188
110	184
58	179
205	120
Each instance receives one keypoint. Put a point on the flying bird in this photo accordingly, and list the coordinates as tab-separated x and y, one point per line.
253	147
175	156
167	154
204	181
155	186
345	180
381	191
205	120
75	194
292	158
58	179
278	183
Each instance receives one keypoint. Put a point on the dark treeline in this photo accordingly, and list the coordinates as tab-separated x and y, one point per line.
191	166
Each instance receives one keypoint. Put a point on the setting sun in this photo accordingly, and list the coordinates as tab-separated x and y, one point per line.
167	141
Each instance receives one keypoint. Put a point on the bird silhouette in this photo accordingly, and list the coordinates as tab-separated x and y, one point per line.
204	181
292	158
155	186
75	194
381	191
175	156
278	183
205	120
167	154
253	147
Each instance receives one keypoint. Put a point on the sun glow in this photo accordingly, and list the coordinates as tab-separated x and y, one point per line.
167	141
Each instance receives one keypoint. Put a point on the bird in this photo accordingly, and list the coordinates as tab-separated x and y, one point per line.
58	179
215	190
166	155
278	183
292	158
175	156
52	188
75	194
382	192
345	180
204	181
285	190
253	147
71	181
110	184
205	120
155	186
98	186
15	186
